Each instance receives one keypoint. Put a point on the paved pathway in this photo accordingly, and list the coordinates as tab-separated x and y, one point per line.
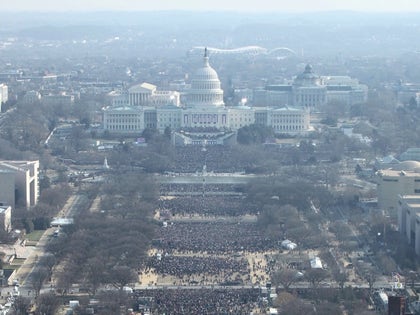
29	265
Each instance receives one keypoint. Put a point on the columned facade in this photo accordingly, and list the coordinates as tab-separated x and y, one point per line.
203	112
123	120
205	117
140	95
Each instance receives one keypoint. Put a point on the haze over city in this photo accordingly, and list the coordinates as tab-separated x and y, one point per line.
215	5
210	157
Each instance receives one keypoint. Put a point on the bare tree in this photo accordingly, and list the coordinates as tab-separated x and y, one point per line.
341	279
95	274
371	279
120	276
113	301
47	304
48	261
326	308
21	305
66	277
38	278
297	307
286	277
315	276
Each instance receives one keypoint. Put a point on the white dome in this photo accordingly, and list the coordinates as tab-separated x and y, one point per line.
205	86
206	72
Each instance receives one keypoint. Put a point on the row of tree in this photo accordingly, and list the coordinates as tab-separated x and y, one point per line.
108	246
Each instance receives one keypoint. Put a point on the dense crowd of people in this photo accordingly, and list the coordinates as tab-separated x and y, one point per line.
202	301
179	266
206	244
201	187
190	159
208	206
214	238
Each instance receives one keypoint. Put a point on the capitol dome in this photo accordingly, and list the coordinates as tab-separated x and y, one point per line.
205	86
206	72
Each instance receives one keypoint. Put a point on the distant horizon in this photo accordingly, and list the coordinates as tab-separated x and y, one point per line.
239	6
417	11
210	11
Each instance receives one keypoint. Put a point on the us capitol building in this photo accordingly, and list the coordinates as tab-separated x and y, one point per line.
202	116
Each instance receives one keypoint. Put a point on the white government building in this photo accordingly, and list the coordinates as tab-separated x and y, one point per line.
203	111
19	183
4	94
398	190
399	179
409	219
311	90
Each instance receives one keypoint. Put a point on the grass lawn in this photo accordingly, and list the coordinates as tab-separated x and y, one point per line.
35	235
18	261
12	267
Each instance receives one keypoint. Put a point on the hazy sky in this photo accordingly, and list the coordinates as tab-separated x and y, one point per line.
212	5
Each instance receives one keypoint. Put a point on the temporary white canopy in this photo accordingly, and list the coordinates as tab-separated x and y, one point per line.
316	263
287	244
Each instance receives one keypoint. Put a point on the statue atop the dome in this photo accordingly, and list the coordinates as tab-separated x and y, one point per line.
205	52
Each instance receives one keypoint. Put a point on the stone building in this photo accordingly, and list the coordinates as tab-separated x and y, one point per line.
202	110
19	183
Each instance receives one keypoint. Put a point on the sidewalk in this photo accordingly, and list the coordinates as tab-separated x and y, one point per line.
38	251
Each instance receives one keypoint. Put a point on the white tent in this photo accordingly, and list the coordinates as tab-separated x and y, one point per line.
316	263
287	244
